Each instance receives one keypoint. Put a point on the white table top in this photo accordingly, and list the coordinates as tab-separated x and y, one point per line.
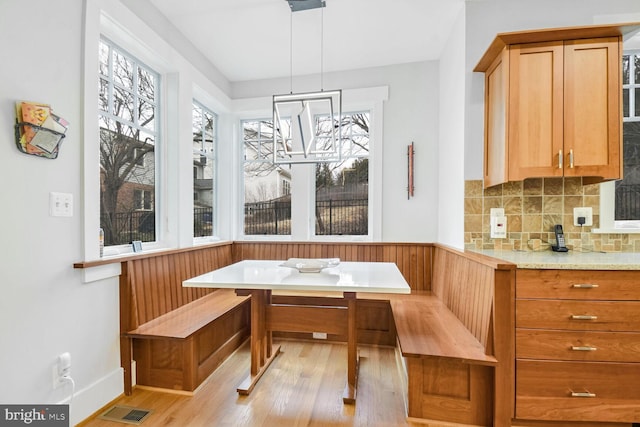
345	277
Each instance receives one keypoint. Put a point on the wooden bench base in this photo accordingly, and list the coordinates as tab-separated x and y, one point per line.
450	377
180	349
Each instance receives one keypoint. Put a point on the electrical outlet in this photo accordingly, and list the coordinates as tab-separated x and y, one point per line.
61	369
584	212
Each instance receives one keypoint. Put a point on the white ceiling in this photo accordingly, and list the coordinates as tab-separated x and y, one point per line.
251	39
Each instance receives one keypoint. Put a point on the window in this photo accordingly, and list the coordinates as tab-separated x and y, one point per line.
204	169
129	131
342	188
142	200
267	210
627	190
340	198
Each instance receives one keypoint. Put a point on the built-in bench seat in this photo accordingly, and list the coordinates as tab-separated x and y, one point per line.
178	336
447	341
427	328
181	348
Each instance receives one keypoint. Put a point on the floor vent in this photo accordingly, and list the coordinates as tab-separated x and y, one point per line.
125	414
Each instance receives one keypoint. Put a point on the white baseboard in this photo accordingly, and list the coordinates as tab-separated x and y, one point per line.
91	398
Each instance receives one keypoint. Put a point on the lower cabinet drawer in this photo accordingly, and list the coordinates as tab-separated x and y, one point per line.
578	315
577	391
578	345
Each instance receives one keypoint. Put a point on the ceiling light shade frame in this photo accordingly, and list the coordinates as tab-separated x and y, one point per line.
297	5
307	127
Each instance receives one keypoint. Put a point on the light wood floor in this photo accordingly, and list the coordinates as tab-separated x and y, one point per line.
303	387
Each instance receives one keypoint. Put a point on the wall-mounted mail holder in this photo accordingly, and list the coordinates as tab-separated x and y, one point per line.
38	131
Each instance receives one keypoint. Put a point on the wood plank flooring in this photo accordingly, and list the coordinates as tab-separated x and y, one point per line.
303	387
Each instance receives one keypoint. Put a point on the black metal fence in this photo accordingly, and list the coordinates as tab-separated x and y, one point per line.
124	227
121	228
333	217
272	217
627	202
202	222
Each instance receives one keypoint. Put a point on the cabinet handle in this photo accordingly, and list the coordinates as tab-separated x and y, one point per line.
583	348
584	285
571	158
582	394
560	159
583	317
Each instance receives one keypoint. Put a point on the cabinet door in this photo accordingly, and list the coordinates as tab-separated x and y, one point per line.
592	138
535	110
496	119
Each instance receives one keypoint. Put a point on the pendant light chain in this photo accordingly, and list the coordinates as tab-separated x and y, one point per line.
322	50
291	53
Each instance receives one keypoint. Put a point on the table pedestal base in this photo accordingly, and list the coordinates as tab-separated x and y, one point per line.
350	390
250	381
267	317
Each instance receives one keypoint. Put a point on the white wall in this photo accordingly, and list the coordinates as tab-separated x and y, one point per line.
410	115
45	309
451	157
484	19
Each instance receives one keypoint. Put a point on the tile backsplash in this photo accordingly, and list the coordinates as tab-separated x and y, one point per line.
532	208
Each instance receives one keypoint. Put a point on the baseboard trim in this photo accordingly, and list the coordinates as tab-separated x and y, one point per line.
92	398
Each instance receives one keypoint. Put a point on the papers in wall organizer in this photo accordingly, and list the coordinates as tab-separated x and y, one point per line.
38	130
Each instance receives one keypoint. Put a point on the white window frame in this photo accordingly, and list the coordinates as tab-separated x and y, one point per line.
303	175
213	158
130	34
608	223
156	132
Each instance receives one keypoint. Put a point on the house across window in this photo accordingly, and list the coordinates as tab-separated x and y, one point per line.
128	123
267	209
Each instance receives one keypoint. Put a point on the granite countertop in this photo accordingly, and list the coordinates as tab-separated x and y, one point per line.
568	260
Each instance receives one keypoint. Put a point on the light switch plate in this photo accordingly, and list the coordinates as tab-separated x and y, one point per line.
60	204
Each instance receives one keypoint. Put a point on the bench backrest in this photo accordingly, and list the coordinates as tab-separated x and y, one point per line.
466	286
151	286
413	259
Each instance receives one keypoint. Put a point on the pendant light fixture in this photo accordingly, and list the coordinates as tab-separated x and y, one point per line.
307	126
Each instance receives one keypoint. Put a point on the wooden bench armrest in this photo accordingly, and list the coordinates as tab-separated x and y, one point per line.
427	328
189	318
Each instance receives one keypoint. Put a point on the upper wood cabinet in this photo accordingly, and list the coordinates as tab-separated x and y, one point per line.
553	104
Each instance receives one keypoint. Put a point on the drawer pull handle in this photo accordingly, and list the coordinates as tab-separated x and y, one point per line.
582	394
584	285
583	317
583	348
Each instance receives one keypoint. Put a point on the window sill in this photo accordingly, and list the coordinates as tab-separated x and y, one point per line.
117	259
616	231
